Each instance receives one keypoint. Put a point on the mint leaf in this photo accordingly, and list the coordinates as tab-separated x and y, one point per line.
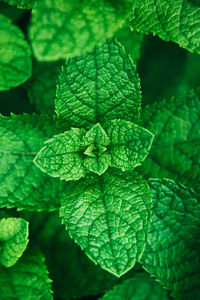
25	4
61	157
131	40
175	124
98	159
108	217
41	87
62	29
140	287
15	60
22	184
174	239
130	143
97	87
13	240
176	21
27	279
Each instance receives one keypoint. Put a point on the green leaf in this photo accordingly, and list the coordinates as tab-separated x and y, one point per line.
15	55
41	87
175	152
98	159
97	87
61	29
13	240
22	184
130	144
140	287
27	279
172	253
176	21
108	217
62	156
131	40
24	4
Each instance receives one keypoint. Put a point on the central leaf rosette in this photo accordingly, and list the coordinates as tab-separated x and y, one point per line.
74	153
106	206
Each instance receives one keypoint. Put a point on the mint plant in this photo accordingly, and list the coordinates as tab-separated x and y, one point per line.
99	193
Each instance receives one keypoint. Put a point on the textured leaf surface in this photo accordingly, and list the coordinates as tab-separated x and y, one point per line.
130	144
140	287
175	152
96	87
27	279
64	258
25	4
172	253
13	240
108	217
22	184
42	86
62	29
62	157
177	21
15	60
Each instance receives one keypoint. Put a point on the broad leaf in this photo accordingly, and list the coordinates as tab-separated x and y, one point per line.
41	87
15	60
62	29
22	184
140	287
175	152
172	253
108	217
27	279
130	144
97	87
62	157
13	240
176	21
24	4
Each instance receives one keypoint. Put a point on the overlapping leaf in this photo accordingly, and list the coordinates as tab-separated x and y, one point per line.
108	217
172	253
15	60
22	184
96	87
27	279
62	29
140	287
176	21
13	240
175	152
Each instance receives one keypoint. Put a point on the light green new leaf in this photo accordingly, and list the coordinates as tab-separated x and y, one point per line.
41	87
172	253
24	4
108	216
62	156
15	55
98	159
27	279
13	240
96	87
175	152
140	287
22	184
176	21
61	28
130	144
